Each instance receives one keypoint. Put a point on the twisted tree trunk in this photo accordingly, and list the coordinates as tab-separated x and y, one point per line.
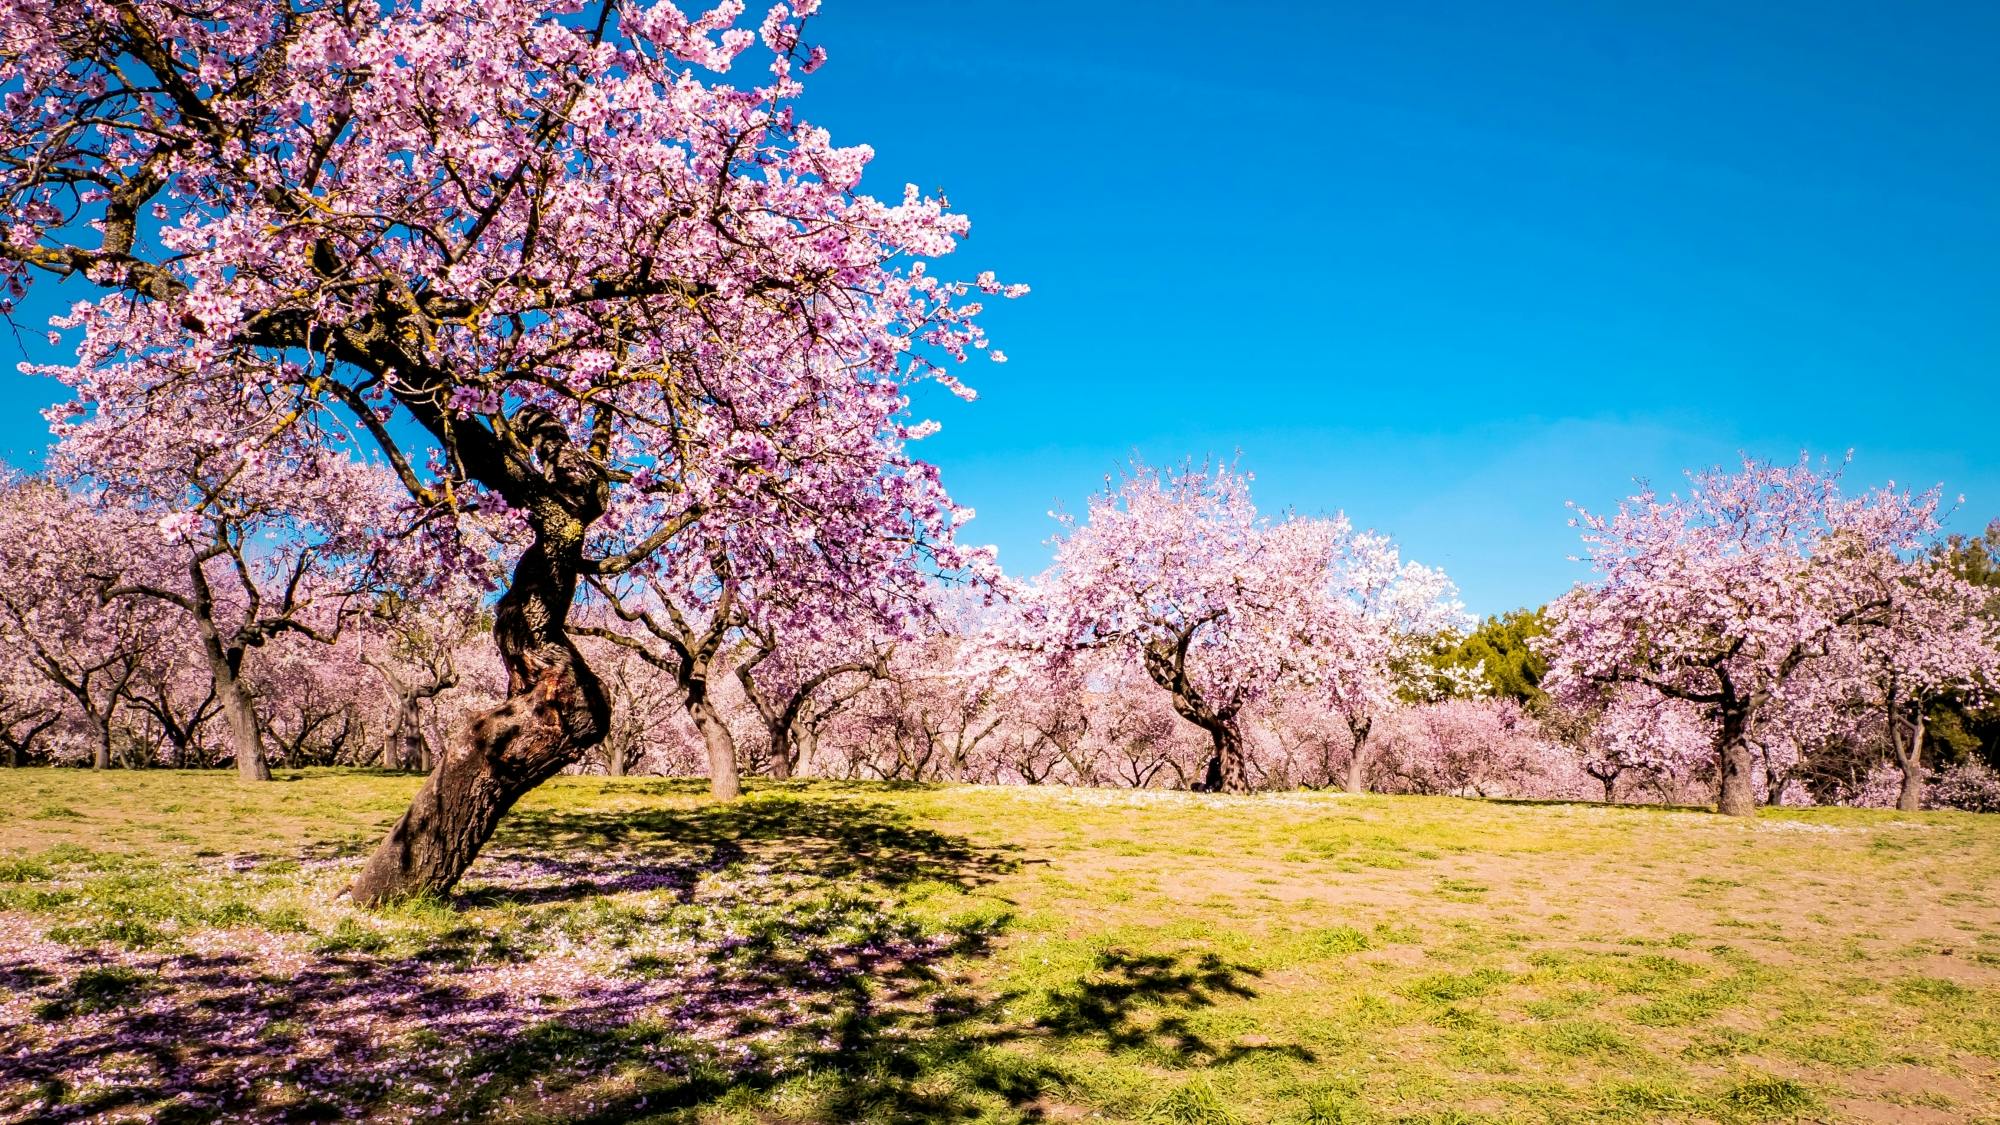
555	710
1225	769
1166	662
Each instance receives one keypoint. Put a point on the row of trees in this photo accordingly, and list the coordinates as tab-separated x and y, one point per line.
1178	640
406	322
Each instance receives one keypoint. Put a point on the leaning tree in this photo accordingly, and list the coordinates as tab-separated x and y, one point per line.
535	253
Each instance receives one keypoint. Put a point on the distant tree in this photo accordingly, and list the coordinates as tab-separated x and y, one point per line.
1502	652
1962	726
271	533
1219	606
1721	597
1409	613
796	681
59	554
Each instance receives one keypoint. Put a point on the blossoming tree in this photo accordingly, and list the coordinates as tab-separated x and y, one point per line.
1721	597
1220	606
1932	640
87	652
271	532
536	253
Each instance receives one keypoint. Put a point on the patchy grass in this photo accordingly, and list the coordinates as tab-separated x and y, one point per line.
173	946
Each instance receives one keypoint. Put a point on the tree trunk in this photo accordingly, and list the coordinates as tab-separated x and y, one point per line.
1357	762
723	782
1226	768
555	711
100	758
805	742
225	668
404	745
614	761
240	713
781	754
1736	791
1911	799
1610	789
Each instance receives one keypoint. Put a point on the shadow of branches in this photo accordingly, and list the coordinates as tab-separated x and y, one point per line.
608	966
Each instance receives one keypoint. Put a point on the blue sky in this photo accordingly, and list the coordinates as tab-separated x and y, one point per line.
1441	266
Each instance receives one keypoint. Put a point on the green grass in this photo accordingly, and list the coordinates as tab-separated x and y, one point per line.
1088	955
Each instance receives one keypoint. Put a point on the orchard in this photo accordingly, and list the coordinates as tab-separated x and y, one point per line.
505	425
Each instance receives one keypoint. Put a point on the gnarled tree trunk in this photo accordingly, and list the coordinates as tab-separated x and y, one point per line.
1166	663
1225	769
1736	793
556	709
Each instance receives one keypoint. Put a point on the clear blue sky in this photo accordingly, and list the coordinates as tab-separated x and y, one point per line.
1442	266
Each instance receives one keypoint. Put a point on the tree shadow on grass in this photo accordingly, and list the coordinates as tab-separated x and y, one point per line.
612	967
834	840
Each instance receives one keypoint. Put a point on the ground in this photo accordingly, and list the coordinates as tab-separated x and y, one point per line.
172	947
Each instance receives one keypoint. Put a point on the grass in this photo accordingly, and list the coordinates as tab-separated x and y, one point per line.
826	952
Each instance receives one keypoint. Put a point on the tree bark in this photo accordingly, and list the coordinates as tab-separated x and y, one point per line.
406	734
1226	772
225	666
1910	755
556	709
781	755
723	780
1357	762
805	742
241	714
1610	789
1736	792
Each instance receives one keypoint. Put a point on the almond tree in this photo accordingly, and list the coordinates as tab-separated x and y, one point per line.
57	552
272	535
1641	732
29	707
1721	597
1220	606
538	255
1404	610
798	683
1932	641
1472	747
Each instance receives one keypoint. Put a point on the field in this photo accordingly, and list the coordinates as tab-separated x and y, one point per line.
172	948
